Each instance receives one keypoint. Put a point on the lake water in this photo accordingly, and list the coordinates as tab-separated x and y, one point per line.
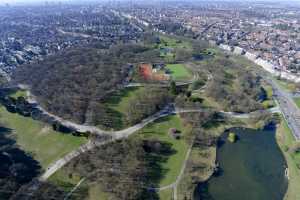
253	168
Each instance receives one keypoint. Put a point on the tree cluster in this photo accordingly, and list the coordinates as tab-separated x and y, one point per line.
74	83
237	89
119	168
146	103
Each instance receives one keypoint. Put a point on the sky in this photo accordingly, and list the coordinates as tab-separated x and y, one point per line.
42	1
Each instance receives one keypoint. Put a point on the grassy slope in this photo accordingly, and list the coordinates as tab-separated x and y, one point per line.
172	42
286	85
19	93
178	71
286	139
205	159
38	139
297	101
268	103
166	194
119	101
159	130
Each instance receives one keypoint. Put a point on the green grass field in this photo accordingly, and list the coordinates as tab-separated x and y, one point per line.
19	93
166	194
268	102
288	86
159	130
119	100
285	140
38	139
179	71
171	42
297	101
118	103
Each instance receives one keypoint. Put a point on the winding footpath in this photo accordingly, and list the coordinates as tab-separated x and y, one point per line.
104	137
110	136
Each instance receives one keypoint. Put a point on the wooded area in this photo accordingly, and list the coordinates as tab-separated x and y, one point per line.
74	83
235	87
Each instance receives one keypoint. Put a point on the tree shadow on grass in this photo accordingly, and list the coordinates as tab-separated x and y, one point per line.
116	97
16	166
157	153
163	119
112	119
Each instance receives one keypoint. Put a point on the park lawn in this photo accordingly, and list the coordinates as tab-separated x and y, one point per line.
119	100
268	102
269	91
210	102
166	194
63	179
169	57
204	157
288	86
19	93
168	41
117	104
179	71
289	138
159	130
39	139
285	139
297	101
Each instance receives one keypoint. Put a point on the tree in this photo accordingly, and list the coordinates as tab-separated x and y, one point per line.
231	137
199	46
173	87
182	54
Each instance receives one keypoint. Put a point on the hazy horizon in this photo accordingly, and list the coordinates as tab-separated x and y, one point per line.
42	1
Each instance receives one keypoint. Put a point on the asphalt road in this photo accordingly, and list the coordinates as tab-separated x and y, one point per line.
288	108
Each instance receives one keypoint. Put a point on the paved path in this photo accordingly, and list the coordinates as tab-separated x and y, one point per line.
106	136
288	108
157	85
74	189
179	177
174	185
67	158
109	136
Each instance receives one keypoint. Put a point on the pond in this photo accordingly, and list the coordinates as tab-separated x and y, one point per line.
252	168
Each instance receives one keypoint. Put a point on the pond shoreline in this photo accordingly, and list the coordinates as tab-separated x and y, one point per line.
249	165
